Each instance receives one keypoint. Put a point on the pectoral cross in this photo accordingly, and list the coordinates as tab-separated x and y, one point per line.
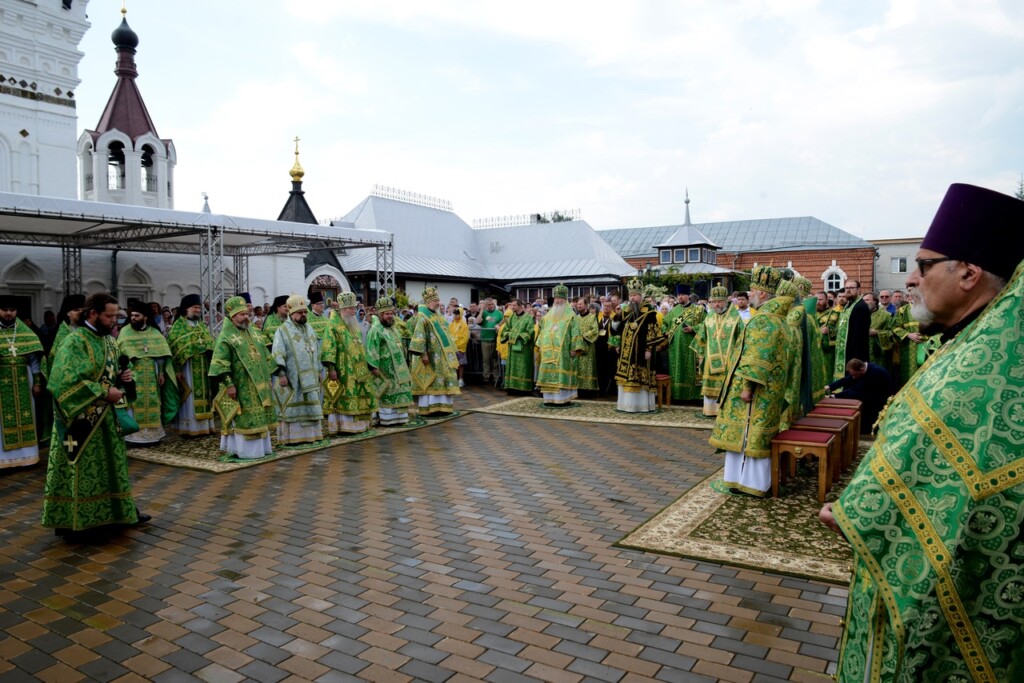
14	350
70	444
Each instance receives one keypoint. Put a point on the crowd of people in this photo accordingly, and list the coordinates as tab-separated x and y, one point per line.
105	378
933	513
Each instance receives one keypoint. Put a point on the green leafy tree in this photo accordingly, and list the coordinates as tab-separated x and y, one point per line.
1019	194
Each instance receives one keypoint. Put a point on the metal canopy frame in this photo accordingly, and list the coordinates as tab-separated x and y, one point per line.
73	225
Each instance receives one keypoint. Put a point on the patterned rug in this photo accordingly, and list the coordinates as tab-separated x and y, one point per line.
780	535
602	412
203	453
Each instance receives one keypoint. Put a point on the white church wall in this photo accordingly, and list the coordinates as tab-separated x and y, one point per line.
38	121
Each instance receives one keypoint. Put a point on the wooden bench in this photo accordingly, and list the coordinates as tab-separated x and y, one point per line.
848	414
794	444
842	430
837	402
663	393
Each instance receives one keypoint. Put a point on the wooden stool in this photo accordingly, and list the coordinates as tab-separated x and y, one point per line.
801	444
836	402
841	429
851	416
663	393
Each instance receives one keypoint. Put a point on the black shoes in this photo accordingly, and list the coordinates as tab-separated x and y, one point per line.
143	517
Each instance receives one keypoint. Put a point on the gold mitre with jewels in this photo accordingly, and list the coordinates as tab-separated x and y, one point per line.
765	278
430	294
385	304
635	286
560	292
719	293
297	304
347	300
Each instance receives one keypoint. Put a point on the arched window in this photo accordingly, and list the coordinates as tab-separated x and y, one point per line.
148	170
115	166
833	282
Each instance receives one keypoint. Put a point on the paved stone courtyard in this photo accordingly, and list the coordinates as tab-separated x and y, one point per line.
475	549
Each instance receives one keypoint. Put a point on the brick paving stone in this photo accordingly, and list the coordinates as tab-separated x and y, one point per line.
467	543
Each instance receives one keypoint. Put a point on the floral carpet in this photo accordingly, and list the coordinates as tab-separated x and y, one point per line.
781	535
603	412
203	453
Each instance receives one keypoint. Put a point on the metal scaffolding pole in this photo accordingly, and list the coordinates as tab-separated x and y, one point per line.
241	273
71	262
211	273
386	270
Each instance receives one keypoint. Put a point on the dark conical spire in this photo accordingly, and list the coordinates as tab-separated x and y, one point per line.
125	110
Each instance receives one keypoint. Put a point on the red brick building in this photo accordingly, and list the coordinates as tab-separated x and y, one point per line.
822	253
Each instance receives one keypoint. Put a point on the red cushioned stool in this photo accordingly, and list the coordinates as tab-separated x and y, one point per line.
801	444
848	414
837	402
842	431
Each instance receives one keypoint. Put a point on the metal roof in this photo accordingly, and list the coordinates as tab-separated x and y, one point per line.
765	234
567	249
435	242
427	240
688	235
56	222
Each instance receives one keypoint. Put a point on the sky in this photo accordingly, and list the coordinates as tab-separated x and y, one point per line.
857	112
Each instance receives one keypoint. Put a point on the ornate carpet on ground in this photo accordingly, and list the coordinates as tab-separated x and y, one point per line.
600	411
781	535
203	453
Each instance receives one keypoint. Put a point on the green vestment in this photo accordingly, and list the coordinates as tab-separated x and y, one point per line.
586	365
842	336
270	325
559	336
296	351
911	354
21	367
759	360
935	517
430	338
385	352
829	318
87	482
240	359
713	345
319	323
517	330
343	350
62	332
815	364
191	345
155	405
682	361
881	345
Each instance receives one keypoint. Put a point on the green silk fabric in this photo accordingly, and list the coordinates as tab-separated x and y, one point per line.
559	336
193	344
759	359
385	352
713	345
242	357
935	516
93	489
518	332
682	360
344	351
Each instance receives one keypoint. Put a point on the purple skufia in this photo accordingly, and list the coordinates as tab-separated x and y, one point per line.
979	226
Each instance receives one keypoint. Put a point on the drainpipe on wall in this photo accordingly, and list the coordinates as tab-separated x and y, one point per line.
113	273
